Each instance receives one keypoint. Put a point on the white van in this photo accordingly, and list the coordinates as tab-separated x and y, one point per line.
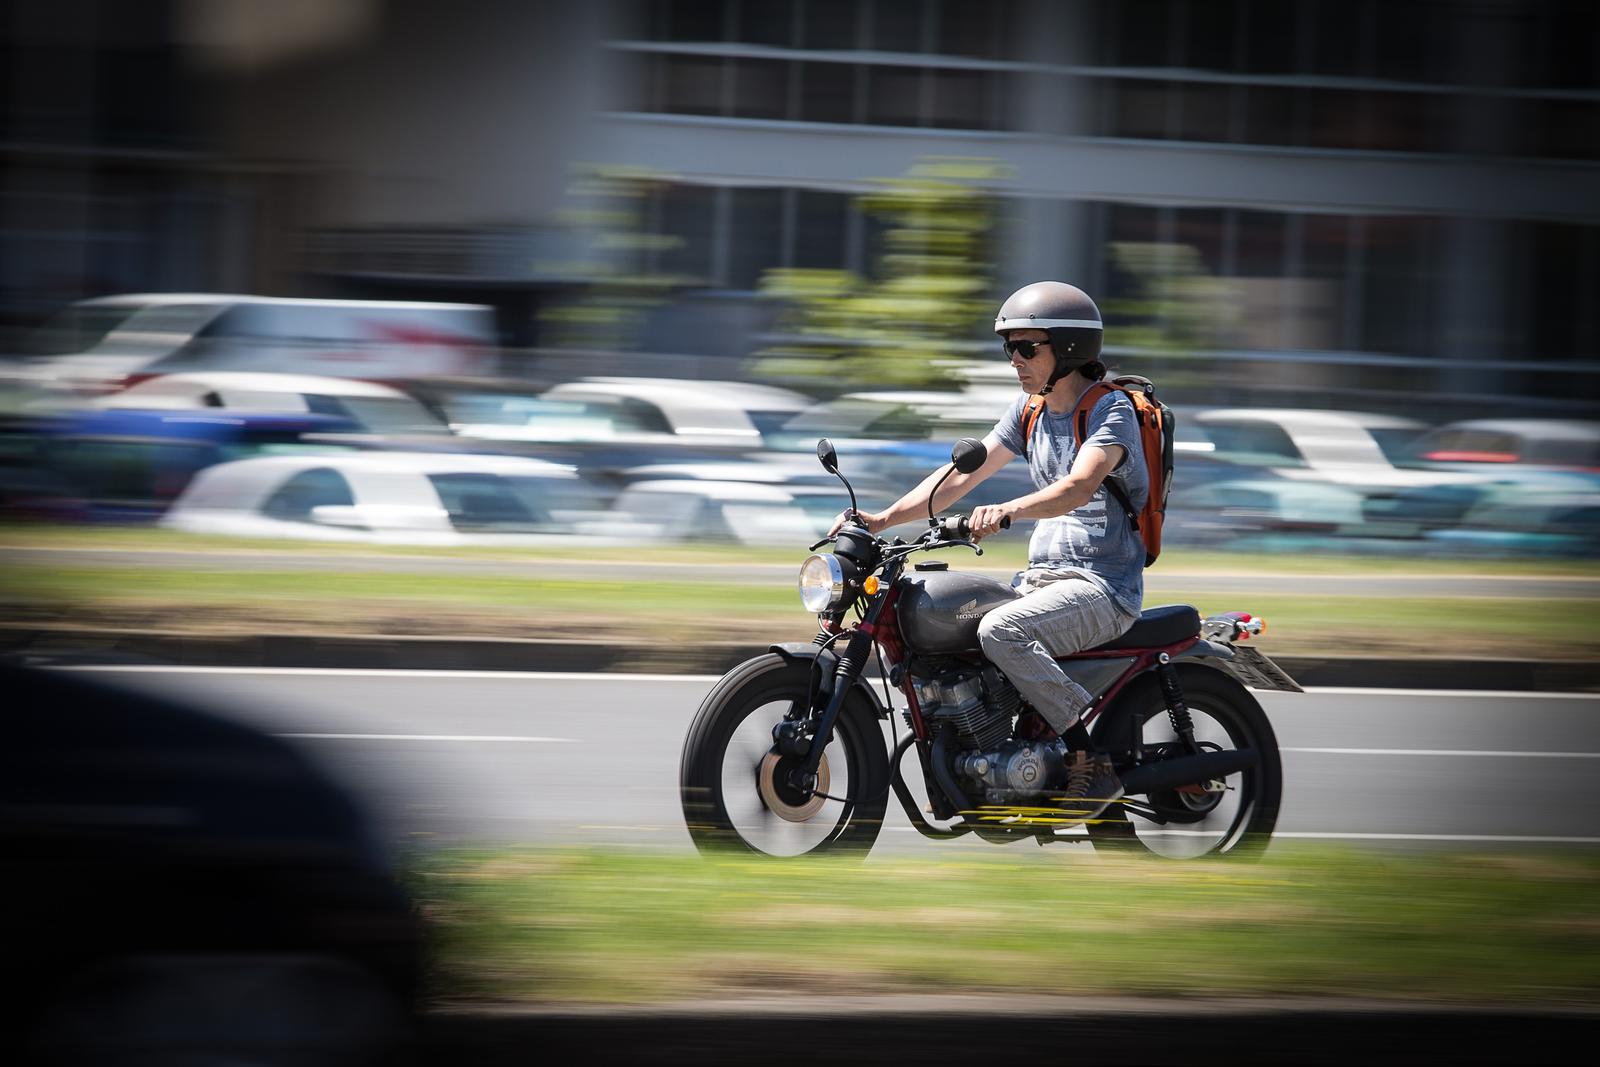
129	337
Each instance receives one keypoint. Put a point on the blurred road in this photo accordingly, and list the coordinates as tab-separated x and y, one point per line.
1172	582
458	757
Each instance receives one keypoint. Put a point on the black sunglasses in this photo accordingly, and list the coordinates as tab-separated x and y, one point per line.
1025	349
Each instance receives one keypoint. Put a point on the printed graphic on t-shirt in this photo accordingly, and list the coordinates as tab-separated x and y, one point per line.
1092	516
1097	537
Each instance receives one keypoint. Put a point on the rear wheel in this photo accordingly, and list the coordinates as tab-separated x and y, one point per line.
1233	816
736	789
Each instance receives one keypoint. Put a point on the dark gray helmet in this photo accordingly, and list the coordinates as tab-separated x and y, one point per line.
1065	313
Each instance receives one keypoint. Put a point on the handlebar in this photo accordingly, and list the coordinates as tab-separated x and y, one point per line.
956	528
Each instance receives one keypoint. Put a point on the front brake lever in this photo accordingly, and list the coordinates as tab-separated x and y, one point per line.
955	544
824	541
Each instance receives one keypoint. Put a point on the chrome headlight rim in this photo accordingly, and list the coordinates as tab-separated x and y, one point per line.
821	583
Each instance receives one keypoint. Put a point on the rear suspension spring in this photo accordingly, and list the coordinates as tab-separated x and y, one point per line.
1177	710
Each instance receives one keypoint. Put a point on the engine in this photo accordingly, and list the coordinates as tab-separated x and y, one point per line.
978	707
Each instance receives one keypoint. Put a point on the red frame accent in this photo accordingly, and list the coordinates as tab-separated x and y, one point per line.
887	634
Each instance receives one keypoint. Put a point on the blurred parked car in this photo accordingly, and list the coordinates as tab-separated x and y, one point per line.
1528	518
898	414
1358	449
1480	444
1224	513
375	408
1520	512
128	466
670	509
97	344
736	414
422	498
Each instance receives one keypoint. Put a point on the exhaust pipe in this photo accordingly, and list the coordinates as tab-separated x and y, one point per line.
1172	773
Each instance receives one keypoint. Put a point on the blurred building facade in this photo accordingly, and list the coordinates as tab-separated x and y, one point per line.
1355	202
1386	197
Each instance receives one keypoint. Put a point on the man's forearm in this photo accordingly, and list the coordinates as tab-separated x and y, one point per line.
914	505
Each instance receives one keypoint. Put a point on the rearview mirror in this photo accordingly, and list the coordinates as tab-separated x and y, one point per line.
829	458
968	455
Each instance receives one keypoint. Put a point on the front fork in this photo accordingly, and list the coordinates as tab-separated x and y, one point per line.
849	667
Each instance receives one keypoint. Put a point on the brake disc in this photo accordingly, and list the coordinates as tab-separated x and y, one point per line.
783	799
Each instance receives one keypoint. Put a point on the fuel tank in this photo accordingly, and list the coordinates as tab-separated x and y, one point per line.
939	610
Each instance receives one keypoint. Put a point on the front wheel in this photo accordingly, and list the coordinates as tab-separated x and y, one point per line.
1233	816
735	787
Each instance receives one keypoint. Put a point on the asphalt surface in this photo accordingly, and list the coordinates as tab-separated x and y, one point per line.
462	757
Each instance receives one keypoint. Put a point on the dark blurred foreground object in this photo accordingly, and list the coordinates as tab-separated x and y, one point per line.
182	889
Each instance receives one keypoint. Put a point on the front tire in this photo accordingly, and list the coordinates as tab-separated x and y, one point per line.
727	776
1237	822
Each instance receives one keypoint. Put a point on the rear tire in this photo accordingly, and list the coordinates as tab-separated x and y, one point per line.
721	774
1238	822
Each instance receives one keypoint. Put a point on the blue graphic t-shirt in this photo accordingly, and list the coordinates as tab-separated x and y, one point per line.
1097	540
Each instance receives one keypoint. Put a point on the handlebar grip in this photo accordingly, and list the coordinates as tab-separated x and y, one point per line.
957	528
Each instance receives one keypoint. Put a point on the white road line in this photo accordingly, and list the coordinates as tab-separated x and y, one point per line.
1532	839
1342	836
433	737
1442	752
1337	690
342	672
581	676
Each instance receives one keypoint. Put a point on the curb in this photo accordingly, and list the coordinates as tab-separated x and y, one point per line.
385	652
1045	1030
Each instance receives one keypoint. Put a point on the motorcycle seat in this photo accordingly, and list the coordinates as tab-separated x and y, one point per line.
1166	625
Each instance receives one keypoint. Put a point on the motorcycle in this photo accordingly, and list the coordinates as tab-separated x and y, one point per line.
788	754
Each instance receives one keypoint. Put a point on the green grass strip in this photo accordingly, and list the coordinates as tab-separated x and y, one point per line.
455	604
1001	552
588	925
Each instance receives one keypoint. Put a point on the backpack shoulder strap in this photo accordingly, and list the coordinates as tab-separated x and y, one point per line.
1080	429
1030	417
1080	414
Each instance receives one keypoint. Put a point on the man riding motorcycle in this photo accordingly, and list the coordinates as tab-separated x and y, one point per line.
1084	584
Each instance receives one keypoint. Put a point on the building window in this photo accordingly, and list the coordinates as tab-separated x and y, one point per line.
760	89
755	236
894	96
827	92
768	22
687	20
690	85
830	25
822	229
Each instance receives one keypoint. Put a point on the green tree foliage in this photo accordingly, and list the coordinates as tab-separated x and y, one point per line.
1179	306
611	206
926	301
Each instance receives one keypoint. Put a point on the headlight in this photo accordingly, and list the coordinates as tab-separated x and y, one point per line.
821	583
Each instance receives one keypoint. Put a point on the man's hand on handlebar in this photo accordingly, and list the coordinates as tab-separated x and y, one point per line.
873	522
987	519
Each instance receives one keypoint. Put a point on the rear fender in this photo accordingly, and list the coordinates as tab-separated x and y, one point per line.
1245	664
825	661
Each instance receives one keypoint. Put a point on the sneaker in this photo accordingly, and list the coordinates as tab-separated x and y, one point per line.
1092	785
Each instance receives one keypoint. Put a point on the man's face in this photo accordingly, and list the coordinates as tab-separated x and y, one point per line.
1033	374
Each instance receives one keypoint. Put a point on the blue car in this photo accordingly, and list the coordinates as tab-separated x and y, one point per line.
128	466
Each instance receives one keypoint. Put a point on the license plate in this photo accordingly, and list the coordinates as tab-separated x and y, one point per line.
1254	669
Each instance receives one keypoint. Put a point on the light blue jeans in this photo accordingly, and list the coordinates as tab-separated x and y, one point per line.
1061	612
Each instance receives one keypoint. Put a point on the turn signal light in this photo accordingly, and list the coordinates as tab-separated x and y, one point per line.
870	586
